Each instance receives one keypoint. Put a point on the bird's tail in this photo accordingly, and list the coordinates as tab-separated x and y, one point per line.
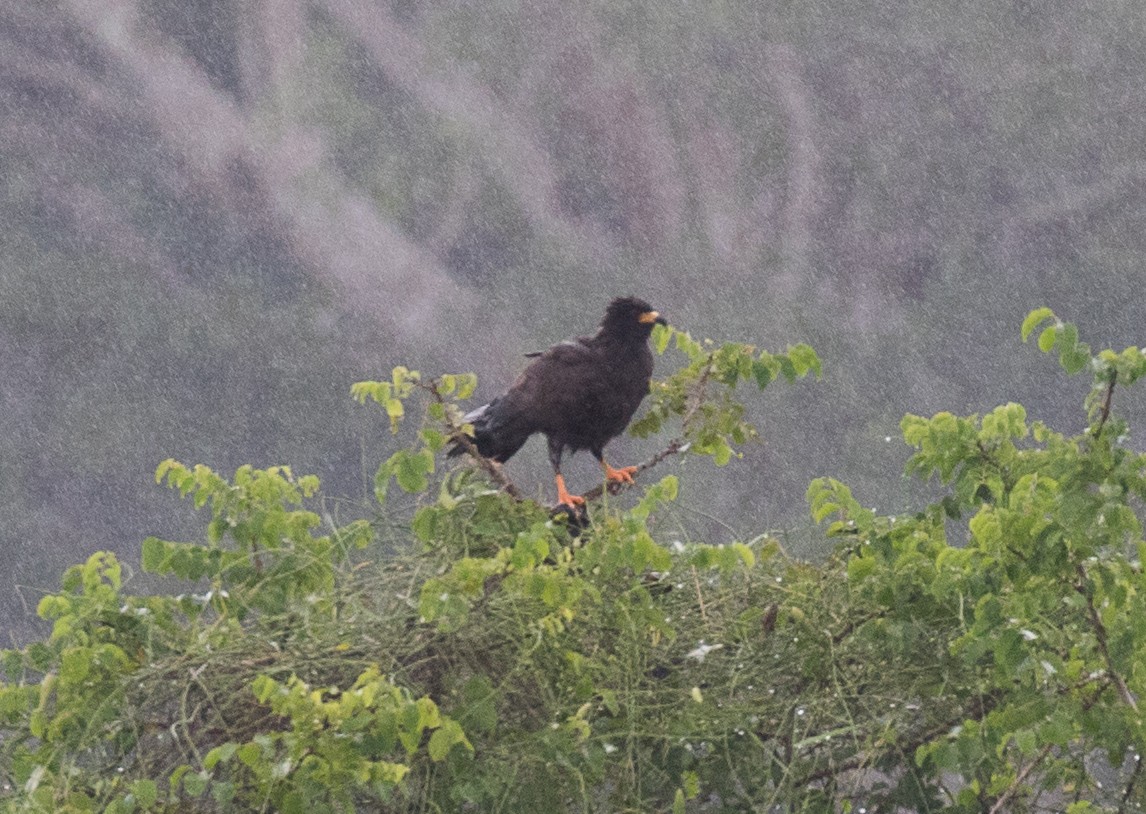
495	435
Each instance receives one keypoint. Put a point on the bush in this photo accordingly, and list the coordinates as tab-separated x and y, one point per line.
982	654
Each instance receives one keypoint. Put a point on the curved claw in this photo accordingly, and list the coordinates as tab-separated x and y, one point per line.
622	475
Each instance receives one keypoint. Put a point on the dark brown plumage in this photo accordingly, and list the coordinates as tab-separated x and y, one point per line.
580	394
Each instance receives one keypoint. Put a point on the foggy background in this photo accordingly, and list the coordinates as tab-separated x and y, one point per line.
216	215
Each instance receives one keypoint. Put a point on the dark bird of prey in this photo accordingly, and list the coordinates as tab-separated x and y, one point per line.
580	394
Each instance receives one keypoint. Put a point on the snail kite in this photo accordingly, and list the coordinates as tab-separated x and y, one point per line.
580	393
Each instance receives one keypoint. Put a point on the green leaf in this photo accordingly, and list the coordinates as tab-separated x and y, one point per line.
1026	741
195	783
467	383
986	528
250	755
395	410
223	792
745	554
448	735
75	665
1004	422
165	467
1075	360
1047	338
264	687
433	439
480	711
220	754
804	359
378	391
860	568
154	554
412	470
1034	319
145	792
690	782
764	371
1067	337
382	478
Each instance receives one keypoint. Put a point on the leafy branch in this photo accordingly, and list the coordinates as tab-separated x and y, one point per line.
1102	638
1109	368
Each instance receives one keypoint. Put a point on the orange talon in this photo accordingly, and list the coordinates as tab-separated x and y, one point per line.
564	497
622	475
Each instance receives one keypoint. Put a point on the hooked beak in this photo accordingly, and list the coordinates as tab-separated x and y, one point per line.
653	317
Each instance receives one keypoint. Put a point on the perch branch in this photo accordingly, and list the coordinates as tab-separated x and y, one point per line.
459	436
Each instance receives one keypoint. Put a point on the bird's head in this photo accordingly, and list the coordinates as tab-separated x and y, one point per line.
630	317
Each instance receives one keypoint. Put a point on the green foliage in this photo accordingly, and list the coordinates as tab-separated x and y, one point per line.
411	469
274	562
984	653
333	755
713	422
1038	605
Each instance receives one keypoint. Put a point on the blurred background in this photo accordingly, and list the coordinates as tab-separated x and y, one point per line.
216	215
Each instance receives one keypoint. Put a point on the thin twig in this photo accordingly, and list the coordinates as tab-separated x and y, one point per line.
699	595
696	397
677	446
1134	775
1100	636
463	440
1005	798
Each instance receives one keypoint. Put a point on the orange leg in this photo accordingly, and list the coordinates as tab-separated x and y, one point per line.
622	475
563	495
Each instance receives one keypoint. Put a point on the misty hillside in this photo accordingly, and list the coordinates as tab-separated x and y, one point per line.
215	216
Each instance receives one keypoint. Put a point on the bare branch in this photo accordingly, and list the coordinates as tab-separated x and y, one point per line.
459	437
